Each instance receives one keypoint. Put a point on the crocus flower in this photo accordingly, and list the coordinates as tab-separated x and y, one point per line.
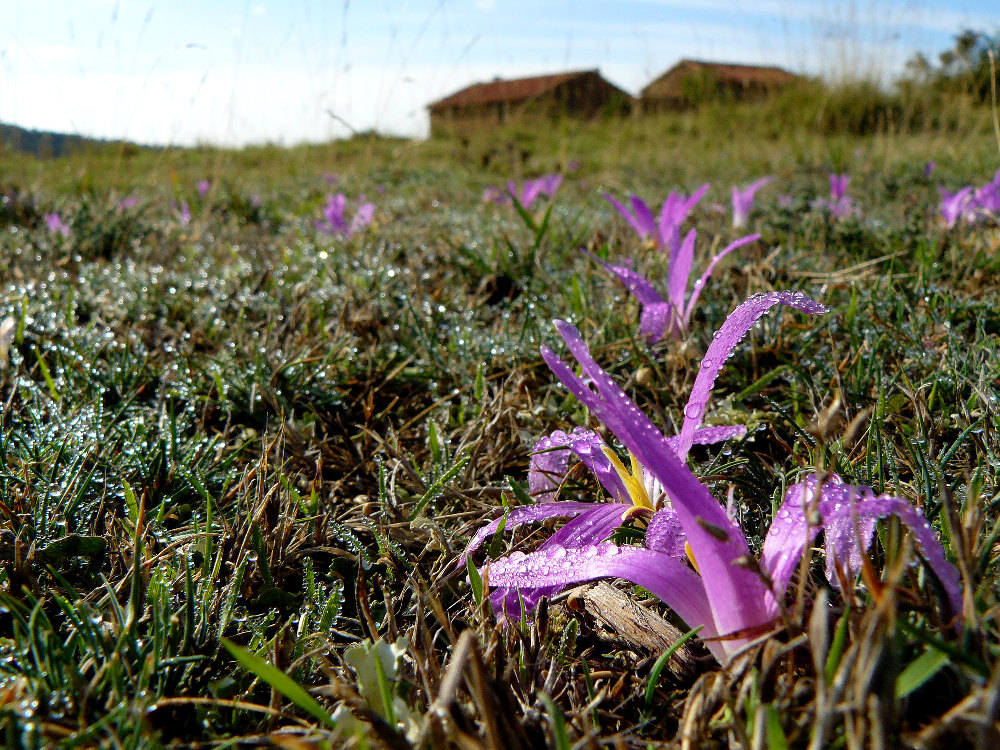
840	204
929	168
56	225
663	231
725	591
743	200
335	221
672	315
985	200
203	186
954	205
183	212
527	193
970	203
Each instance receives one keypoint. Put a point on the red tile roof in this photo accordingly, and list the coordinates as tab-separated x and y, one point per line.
765	75
499	90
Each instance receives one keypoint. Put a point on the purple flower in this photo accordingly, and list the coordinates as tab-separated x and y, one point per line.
56	225
840	205
203	187
673	315
725	591
985	200
183	212
131	202
969	203
954	205
531	190
663	231
838	185
526	194
929	168
743	200
493	194
330	178
335	221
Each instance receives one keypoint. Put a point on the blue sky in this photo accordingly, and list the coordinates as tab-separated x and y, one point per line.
249	71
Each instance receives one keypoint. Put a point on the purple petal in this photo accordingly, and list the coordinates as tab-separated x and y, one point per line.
667	578
526	514
636	283
739	322
680	270
693	200
625	213
334	213
643	216
532	189
589	528
362	218
656	313
738	598
741	207
711	435
953	205
664	534
699	285
860	503
848	515
789	534
655	319
838	185
743	200
550	461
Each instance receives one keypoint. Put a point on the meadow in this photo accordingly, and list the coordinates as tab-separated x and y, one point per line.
246	439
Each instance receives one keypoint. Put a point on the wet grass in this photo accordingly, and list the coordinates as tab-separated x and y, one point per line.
237	433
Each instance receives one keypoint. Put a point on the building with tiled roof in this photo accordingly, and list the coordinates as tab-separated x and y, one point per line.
694	81
582	94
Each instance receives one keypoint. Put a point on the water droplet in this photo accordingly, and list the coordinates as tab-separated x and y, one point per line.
693	411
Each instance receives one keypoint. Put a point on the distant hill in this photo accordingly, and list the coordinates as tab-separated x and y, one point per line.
46	143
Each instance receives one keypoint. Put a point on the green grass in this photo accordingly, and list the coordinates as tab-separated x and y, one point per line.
239	429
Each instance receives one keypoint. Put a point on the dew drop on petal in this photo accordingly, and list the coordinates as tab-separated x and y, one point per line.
693	411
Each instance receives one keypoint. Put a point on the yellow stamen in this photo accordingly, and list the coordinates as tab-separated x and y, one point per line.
690	554
633	485
637	512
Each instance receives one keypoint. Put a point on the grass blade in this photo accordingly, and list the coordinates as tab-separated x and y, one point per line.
280	682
